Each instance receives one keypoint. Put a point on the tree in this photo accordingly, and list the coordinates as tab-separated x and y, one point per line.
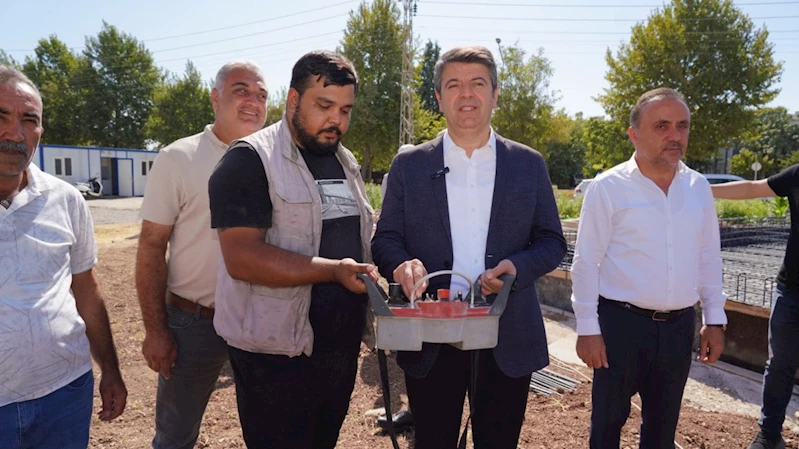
426	123
6	59
791	159
54	69
276	106
425	76
606	144
119	79
741	164
712	53
373	42
525	105
774	134
566	153
181	107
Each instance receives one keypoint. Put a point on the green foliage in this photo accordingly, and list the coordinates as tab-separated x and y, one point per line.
773	136
181	107
276	106
606	144
373	194
6	59
779	206
426	123
742	208
373	42
712	53
55	70
568	207
426	88
741	164
791	159
118	80
565	154
526	103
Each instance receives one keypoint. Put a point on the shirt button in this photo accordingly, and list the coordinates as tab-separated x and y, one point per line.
473	209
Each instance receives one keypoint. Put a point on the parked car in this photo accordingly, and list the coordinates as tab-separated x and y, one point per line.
713	178
581	187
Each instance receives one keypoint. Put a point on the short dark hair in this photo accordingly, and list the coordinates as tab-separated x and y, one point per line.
471	53
10	75
334	68
661	93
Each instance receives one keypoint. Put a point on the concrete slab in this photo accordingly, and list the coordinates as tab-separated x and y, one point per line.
720	387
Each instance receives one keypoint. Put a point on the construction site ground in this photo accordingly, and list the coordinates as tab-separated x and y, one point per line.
720	408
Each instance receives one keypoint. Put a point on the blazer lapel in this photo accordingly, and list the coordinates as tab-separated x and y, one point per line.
503	168
439	184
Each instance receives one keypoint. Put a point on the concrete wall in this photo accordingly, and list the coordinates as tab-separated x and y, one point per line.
746	337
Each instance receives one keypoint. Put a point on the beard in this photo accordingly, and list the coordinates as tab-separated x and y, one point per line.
312	143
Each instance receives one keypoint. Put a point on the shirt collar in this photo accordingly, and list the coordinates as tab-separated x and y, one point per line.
209	134
449	143
37	182
631	166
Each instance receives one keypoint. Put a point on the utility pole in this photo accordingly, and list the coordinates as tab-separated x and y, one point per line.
406	97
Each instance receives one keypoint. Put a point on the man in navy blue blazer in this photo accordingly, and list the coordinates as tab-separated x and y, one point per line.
476	203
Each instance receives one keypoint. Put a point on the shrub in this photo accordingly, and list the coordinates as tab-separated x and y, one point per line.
373	194
745	208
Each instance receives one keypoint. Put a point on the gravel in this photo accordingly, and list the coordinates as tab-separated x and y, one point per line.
115	210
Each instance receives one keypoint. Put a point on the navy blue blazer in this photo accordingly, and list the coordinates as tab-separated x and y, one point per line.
524	227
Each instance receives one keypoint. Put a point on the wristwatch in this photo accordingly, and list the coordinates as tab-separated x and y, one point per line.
722	326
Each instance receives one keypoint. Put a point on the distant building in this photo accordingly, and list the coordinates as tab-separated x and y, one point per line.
122	172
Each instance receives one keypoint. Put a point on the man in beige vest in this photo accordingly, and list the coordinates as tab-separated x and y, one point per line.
177	297
294	227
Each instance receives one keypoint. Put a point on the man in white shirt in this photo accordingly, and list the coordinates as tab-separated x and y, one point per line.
177	297
647	250
52	312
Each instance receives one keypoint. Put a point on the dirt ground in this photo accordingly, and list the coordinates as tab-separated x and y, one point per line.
551	423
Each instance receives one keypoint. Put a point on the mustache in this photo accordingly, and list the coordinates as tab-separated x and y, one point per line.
673	146
332	129
14	147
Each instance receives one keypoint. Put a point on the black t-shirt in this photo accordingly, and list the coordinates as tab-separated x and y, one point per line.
239	195
786	183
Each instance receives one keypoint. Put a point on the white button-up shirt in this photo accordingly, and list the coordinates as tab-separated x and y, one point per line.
470	192
638	245
45	236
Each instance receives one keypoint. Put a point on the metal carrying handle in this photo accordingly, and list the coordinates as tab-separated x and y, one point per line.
440	273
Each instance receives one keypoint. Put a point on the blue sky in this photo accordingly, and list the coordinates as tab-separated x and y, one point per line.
275	33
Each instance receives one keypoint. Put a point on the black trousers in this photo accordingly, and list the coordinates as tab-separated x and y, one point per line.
651	358
437	402
293	402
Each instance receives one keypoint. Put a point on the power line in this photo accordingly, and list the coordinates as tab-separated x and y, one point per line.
558	5
555	19
614	33
247	23
248	35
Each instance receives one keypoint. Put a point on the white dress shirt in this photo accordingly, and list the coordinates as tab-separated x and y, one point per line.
638	245
470	192
46	236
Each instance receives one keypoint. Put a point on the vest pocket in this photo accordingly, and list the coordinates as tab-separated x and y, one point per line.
273	321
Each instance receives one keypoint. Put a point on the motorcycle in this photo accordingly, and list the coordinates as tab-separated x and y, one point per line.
92	188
